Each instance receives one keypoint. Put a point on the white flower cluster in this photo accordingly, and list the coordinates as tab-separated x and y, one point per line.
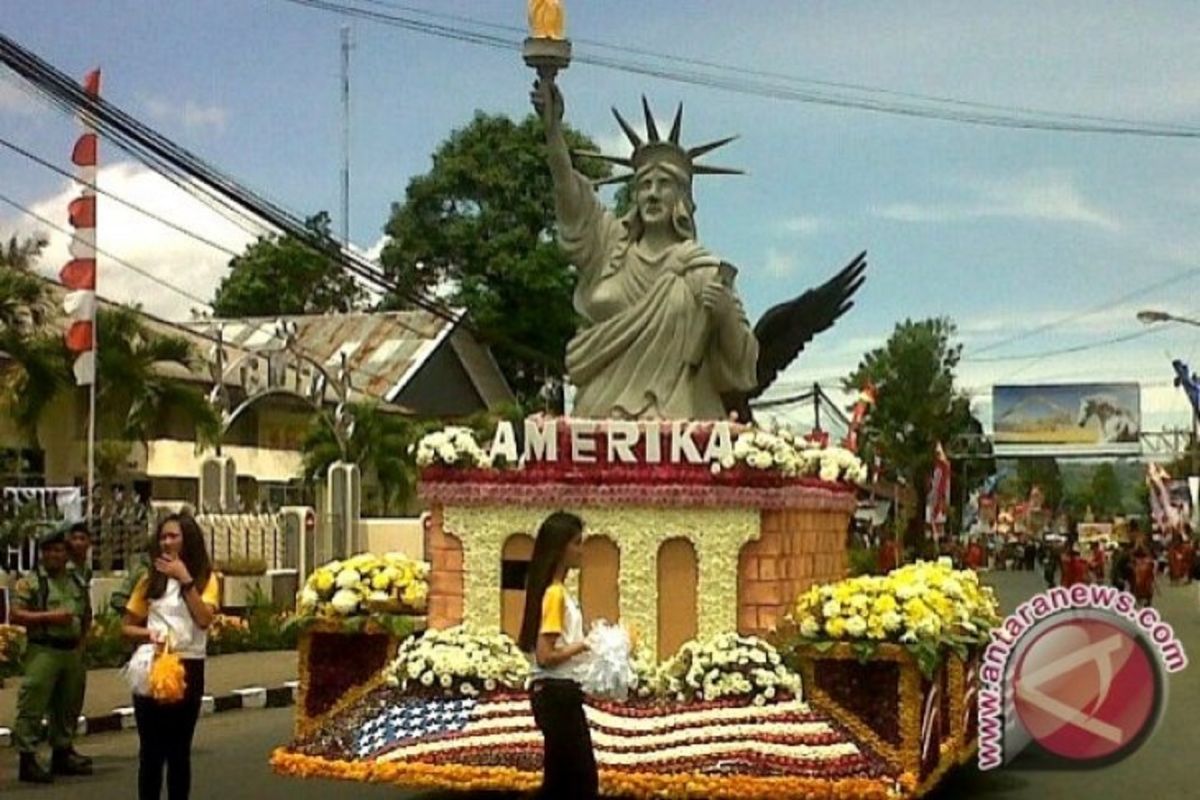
346	588
454	446
794	456
727	665
459	661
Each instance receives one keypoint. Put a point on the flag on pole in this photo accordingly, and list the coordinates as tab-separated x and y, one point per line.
937	503
79	274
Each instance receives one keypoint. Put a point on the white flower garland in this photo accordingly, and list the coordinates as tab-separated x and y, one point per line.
727	665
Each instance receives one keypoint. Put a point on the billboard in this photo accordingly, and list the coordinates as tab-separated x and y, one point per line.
1082	418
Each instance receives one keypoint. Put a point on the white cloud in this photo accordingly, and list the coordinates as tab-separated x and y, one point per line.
805	224
15	98
779	264
1049	196
190	114
172	257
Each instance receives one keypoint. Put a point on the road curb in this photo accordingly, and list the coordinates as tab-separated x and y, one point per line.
246	698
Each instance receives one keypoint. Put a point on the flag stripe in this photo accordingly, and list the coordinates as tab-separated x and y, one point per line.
799	752
81	212
79	337
79	273
84	152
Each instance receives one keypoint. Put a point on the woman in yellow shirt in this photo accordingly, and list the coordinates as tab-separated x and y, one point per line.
173	604
552	633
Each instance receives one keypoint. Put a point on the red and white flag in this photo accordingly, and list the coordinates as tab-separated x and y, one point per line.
937	503
79	274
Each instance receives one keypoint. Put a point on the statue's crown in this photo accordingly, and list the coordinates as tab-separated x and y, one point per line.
655	149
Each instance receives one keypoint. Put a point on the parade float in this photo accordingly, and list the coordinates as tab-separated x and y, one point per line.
718	545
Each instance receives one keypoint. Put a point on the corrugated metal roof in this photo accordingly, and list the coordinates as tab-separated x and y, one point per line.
384	349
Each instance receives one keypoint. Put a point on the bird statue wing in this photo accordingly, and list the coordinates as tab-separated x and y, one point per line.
786	328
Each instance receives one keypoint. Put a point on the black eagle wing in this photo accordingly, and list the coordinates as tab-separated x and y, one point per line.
785	329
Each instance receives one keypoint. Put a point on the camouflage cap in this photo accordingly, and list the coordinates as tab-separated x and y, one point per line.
55	535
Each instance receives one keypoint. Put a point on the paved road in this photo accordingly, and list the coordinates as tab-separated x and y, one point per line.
231	749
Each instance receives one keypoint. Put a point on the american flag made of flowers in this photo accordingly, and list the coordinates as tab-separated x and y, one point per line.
782	738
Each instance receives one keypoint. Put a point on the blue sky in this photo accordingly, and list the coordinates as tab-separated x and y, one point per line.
1002	230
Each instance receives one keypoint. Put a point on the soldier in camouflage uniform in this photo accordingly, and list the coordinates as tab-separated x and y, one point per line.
49	602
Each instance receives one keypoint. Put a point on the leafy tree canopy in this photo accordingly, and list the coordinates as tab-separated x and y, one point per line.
918	404
479	227
279	275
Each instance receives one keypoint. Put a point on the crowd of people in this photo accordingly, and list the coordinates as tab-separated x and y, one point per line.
168	603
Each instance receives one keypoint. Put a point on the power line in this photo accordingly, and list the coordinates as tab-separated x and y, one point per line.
204	180
133	206
1068	124
115	259
728	68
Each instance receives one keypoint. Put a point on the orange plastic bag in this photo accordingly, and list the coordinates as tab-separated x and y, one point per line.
167	679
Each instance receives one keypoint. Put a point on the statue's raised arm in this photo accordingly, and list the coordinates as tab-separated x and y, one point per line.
663	331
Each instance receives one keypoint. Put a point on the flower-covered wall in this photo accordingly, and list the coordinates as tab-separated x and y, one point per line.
717	533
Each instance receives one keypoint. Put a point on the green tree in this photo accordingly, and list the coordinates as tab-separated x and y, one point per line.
480	227
1042	472
1106	494
36	361
280	275
918	404
133	393
379	444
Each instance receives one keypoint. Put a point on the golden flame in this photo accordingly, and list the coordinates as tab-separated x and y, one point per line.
546	20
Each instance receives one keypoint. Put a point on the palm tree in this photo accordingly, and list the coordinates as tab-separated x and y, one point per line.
36	365
379	444
133	391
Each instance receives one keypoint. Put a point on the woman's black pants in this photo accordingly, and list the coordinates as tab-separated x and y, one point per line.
569	764
165	734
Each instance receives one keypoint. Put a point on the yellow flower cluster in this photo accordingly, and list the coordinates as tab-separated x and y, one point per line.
925	601
364	583
12	649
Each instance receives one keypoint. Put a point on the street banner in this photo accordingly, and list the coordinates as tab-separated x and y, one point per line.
1064	419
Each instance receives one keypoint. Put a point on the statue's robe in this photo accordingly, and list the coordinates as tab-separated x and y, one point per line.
647	348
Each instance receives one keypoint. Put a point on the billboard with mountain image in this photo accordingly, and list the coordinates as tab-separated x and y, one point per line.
1074	416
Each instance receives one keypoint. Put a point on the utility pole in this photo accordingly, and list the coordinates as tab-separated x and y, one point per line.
345	134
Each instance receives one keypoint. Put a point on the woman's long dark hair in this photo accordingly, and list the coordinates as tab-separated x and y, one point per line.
193	554
556	532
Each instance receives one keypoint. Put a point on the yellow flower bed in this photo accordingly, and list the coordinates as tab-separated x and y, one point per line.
926	606
363	583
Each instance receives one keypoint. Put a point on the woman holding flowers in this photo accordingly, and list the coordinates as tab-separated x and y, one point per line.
172	606
552	633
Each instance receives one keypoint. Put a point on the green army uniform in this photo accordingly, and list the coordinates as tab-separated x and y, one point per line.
54	670
82	573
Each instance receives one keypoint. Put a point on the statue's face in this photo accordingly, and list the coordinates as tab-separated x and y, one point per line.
657	194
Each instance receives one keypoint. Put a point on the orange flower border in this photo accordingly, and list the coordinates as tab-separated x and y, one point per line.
421	775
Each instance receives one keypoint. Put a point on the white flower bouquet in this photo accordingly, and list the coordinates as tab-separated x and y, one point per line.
454	446
459	661
727	666
364	584
795	457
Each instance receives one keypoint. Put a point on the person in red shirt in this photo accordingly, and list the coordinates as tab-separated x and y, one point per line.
1143	575
1074	567
975	557
888	556
1096	563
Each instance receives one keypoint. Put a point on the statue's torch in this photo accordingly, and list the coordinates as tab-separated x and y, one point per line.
547	49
